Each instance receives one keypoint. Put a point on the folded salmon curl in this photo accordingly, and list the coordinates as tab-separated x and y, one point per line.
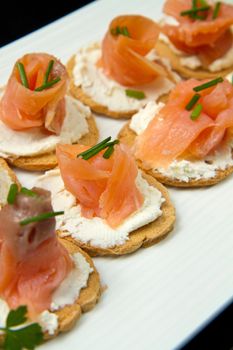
103	187
204	33
38	99
124	48
33	262
174	134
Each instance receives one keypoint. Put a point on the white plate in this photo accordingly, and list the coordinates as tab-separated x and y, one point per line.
159	296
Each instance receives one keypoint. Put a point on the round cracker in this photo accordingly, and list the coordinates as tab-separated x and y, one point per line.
165	51
145	236
78	93
4	165
88	297
127	136
48	161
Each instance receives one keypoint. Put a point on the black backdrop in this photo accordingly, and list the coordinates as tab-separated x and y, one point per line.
18	18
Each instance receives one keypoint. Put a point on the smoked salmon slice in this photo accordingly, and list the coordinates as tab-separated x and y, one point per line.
103	187
172	134
33	262
23	107
210	38
124	48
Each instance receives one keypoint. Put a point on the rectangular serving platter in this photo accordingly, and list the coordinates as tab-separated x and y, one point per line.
160	296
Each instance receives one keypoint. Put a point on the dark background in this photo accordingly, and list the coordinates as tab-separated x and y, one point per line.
20	18
17	18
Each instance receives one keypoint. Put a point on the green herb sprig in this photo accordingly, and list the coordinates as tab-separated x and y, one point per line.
120	31
91	152
27	337
208	84
196	112
28	192
48	71
48	84
192	102
194	11
139	95
41	217
13	191
216	10
203	3
198	108
22	73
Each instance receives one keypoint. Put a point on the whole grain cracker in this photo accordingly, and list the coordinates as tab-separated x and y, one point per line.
4	165
165	51
78	93
48	161
145	236
127	136
88	297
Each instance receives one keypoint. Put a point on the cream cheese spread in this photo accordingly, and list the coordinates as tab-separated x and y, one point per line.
192	61
183	170
32	142
66	294
96	231
108	92
5	181
229	77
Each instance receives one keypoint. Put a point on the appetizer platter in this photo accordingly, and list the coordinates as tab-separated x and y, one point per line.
116	135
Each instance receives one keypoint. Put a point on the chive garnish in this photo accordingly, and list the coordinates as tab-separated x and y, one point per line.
125	31
98	145
115	31
100	148
203	3
139	95
209	84
107	154
195	15
91	152
120	30
216	10
40	217
196	112
192	102
194	2
12	193
194	11
28	192
22	74
48	71
48	84
232	80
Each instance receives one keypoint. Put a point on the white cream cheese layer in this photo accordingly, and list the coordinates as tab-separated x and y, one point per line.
193	62
229	77
5	181
32	142
183	170
66	294
96	231
108	92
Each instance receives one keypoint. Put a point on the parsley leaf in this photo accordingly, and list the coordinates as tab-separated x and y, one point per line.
11	342
16	317
21	338
25	338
